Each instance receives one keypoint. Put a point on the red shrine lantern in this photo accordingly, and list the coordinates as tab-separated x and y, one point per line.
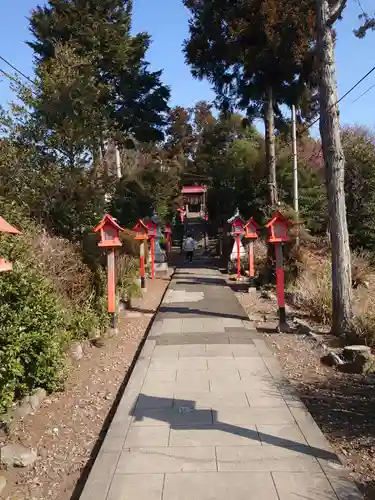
141	229
278	229
109	232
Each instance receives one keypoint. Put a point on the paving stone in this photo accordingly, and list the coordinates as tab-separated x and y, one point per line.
264	401
262	348
119	428
170	352
136	487
140	436
215	435
211	400
220	350
100	478
172	325
337	475
146	402
255	416
171	417
188	339
190	363
247	351
163	460
301	485
192	351
273	366
285	436
250	458
221	363
160	376
220	486
184	376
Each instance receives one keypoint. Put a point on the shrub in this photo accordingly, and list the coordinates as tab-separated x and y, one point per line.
127	270
32	335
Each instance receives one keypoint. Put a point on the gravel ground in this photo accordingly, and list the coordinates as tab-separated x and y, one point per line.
67	426
343	405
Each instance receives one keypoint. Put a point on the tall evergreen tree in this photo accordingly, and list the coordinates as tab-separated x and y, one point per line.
254	53
125	97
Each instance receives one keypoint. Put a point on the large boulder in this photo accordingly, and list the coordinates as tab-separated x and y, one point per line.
350	352
359	360
17	455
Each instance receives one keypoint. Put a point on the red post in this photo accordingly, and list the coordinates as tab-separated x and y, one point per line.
111	285
152	257
238	256
251	260
280	283
142	263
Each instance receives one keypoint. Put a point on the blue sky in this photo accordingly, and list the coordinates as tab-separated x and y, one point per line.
167	23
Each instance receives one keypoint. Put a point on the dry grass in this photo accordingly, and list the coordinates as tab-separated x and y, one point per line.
314	289
61	262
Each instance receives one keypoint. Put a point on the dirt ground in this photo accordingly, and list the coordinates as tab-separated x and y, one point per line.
67	428
343	405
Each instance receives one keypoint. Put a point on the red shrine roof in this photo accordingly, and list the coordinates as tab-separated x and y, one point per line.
193	189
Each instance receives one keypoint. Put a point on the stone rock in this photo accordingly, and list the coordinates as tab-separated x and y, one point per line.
76	351
98	342
36	398
350	352
3	483
303	327
331	359
364	363
17	455
23	409
294	298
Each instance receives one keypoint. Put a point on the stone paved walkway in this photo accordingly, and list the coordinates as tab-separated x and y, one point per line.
206	414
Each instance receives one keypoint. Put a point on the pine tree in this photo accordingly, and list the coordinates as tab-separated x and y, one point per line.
125	98
254	52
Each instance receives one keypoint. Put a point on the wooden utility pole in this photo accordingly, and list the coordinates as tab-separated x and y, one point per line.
334	161
295	169
269	125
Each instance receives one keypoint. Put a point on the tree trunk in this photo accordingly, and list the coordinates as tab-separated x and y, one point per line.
269	124
334	161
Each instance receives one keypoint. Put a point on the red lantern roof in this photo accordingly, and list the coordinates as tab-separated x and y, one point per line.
5	227
107	219
278	228
109	232
251	229
141	230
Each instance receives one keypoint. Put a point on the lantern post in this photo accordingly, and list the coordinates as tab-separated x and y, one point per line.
168	236
141	235
237	232
151	231
182	212
251	233
110	239
5	227
277	235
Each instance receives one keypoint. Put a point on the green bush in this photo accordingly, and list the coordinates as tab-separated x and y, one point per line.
32	335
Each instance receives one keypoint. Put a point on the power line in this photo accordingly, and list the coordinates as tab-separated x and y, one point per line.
17	70
364	93
341	98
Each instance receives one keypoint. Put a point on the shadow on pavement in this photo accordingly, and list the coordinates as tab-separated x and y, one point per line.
148	407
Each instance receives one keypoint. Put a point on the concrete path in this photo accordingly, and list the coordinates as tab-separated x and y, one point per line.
206	414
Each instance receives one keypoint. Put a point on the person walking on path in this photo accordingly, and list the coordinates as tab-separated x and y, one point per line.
189	247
